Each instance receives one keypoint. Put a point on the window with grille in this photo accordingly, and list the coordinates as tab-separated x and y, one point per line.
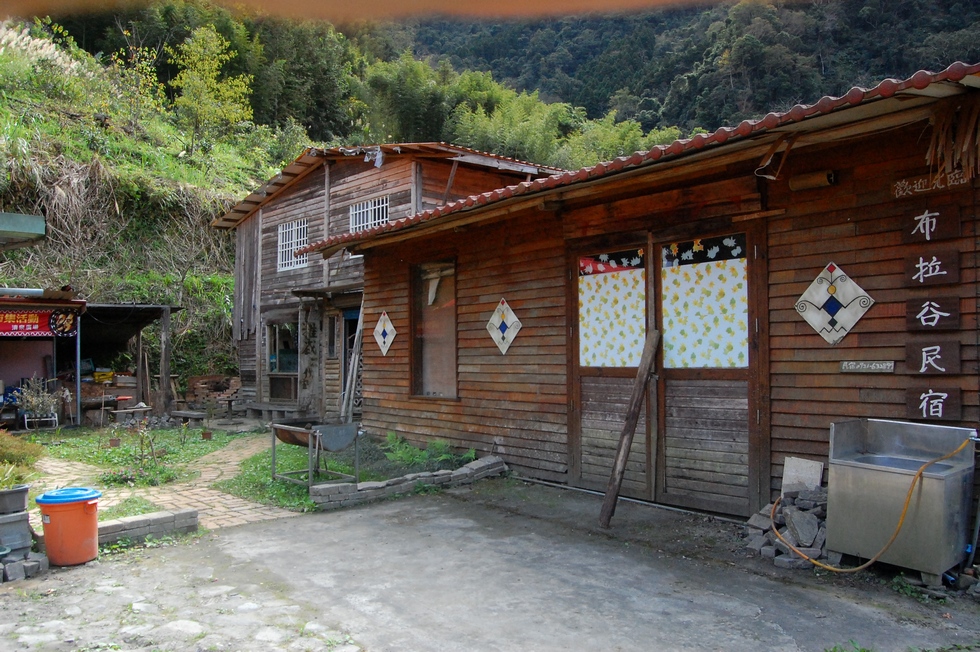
292	236
368	214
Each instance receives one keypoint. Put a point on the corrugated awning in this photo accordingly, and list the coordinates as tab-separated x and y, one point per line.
18	230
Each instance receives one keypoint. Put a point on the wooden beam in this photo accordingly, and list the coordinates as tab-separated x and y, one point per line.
629	428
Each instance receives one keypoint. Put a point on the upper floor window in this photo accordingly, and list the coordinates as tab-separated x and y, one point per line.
292	236
368	214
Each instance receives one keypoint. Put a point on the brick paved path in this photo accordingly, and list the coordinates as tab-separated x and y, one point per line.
215	509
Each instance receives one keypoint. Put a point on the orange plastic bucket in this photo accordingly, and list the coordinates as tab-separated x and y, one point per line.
71	525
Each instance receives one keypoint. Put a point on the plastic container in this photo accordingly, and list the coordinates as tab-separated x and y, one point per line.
71	525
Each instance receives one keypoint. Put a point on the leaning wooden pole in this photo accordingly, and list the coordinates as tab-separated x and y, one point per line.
629	428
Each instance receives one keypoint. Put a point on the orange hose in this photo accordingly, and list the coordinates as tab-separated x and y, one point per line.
898	528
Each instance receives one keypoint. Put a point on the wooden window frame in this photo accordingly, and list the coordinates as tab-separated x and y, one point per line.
292	236
368	214
422	294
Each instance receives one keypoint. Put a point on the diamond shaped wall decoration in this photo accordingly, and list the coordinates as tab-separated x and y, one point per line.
503	326
384	333
833	304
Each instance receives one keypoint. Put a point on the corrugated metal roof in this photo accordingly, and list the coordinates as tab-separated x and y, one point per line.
922	84
313	157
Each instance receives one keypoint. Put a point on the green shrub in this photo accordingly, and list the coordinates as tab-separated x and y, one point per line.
14	450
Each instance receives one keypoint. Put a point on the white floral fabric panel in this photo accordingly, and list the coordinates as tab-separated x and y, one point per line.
705	304
833	304
612	309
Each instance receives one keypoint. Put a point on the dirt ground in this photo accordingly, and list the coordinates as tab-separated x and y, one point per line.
502	565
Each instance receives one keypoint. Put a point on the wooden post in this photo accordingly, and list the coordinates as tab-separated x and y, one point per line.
629	428
165	396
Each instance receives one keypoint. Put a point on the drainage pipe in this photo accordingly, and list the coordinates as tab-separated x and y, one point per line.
21	292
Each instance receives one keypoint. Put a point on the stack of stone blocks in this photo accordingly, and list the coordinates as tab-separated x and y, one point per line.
20	563
346	494
155	525
801	520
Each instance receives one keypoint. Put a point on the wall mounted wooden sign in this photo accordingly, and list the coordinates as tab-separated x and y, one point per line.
934	403
932	314
932	358
867	366
914	186
932	224
933	268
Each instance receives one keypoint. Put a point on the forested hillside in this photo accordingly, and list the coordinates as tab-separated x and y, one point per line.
711	66
130	131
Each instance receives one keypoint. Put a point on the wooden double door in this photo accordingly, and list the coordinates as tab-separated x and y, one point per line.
698	443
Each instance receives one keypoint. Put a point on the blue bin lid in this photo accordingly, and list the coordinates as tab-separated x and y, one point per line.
67	495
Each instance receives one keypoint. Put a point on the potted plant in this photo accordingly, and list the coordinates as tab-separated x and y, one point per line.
13	488
37	403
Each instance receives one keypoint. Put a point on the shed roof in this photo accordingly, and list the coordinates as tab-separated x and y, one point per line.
18	230
830	116
313	157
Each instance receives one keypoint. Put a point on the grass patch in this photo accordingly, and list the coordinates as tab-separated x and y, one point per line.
391	458
142	458
91	446
132	506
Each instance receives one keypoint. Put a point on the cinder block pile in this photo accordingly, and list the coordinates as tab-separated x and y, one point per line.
17	562
801	520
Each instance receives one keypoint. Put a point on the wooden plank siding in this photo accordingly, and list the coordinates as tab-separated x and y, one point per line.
859	225
513	405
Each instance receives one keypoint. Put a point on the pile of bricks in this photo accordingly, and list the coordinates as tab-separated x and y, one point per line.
23	566
204	390
801	520
346	494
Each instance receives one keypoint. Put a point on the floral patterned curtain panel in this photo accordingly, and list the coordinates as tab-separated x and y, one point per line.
705	303
612	309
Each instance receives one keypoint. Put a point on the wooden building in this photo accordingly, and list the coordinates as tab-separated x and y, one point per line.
295	317
813	266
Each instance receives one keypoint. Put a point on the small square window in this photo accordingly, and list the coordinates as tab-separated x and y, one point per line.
292	236
368	214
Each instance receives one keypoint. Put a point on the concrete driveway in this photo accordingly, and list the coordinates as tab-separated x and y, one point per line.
501	566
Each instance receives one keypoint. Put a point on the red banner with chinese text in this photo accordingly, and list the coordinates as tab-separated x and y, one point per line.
38	323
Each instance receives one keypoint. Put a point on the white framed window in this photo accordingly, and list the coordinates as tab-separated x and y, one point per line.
292	236
368	214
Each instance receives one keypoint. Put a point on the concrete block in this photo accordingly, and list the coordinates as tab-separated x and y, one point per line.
40	559
31	569
766	511
372	494
805	504
135	532
156	519
16	517
768	552
133	522
812	553
332	489
13	571
803	525
756	543
394	482
760	522
370	486
821	537
797	470
834	557
442	472
110	527
461	474
795	563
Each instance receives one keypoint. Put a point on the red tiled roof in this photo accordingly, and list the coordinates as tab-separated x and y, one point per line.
920	81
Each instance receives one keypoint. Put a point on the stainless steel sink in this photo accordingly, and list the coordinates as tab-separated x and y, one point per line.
872	464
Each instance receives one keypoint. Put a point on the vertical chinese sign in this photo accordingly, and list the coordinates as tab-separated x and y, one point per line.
932	351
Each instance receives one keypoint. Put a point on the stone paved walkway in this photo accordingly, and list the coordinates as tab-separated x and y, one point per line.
215	509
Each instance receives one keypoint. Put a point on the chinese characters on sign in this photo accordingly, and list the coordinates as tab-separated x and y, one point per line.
38	323
929	183
927	268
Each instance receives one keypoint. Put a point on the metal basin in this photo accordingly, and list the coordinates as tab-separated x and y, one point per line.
902	463
872	465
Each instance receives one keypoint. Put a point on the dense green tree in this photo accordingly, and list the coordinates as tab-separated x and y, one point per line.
209	105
